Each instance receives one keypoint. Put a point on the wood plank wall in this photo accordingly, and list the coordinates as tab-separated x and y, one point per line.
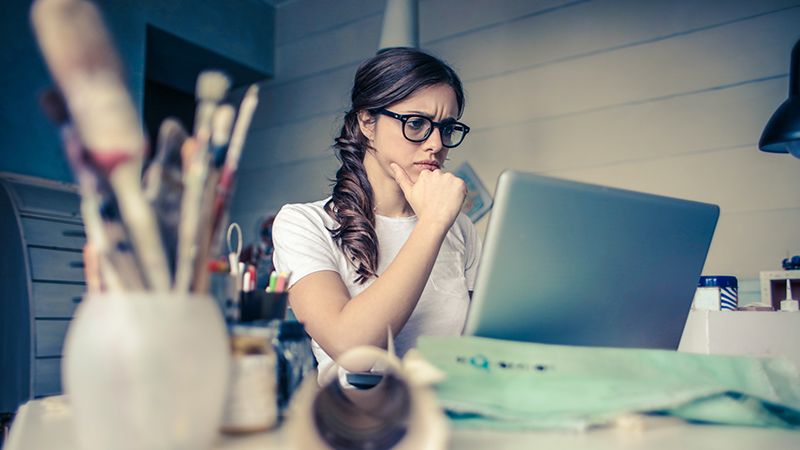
661	96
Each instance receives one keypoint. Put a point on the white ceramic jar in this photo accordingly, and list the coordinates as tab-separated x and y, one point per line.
146	371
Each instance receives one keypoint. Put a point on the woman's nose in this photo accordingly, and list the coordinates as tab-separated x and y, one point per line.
434	141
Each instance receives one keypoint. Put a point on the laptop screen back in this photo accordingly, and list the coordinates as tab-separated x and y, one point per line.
579	264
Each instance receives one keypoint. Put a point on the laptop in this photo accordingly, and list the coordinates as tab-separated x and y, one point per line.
580	264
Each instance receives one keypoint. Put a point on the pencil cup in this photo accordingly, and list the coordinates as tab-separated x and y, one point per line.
222	287
146	370
260	305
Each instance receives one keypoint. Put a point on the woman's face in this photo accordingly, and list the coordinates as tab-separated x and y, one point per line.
390	146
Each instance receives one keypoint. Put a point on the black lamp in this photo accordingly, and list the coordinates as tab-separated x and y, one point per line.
400	25
782	133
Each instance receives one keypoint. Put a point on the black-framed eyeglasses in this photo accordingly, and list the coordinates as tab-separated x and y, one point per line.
417	128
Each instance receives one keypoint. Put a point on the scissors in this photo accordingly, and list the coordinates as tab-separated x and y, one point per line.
233	256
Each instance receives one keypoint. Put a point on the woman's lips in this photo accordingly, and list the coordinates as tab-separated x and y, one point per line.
428	165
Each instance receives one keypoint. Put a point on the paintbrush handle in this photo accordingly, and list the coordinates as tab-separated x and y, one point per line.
80	56
78	51
107	235
228	173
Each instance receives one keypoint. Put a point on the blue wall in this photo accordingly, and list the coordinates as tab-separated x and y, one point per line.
241	30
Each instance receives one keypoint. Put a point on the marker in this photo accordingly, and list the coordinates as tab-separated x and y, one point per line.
280	285
273	282
246	281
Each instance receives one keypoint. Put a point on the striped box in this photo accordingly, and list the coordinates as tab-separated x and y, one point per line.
716	293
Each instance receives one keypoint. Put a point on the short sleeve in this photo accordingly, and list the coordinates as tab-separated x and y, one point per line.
302	243
473	253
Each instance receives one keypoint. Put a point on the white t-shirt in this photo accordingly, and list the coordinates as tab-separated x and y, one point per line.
303	245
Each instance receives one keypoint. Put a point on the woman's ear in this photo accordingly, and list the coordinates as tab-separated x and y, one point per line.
366	122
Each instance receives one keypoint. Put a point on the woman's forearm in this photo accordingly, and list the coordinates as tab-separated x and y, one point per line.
389	301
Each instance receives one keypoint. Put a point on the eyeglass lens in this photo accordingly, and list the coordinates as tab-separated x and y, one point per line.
418	129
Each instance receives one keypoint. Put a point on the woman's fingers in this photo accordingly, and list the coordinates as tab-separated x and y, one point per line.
402	179
435	195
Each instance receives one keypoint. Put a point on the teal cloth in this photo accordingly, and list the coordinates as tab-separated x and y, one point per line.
516	385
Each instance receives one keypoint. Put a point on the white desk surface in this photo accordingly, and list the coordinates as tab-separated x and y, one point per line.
46	424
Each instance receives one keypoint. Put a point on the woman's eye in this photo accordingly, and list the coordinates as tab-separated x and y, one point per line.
416	123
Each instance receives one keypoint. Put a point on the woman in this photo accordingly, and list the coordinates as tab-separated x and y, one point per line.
389	248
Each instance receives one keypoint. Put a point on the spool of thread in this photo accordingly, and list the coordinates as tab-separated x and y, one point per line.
400	412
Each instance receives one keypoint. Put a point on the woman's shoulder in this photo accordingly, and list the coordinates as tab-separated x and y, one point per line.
463	232
312	213
463	224
316	208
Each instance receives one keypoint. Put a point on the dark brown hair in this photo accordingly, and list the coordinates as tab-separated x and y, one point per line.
386	78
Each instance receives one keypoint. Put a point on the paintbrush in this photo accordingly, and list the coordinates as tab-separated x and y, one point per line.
222	121
221	125
79	54
104	229
163	185
228	175
212	87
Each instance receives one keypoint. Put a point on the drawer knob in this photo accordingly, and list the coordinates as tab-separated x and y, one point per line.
74	234
77	299
76	264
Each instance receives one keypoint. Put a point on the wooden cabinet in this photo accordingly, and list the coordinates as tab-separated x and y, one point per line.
41	269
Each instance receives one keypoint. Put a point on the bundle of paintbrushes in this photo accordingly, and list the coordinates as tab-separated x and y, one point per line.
151	231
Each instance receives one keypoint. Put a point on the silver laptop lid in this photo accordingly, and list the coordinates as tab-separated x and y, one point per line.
579	264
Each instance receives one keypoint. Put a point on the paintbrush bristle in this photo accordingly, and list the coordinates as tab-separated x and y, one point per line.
212	85
54	106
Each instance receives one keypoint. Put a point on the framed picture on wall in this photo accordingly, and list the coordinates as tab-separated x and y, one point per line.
478	201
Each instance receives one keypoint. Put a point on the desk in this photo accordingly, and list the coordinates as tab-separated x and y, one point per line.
47	424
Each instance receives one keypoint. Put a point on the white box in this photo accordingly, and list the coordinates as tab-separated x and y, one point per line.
773	286
753	333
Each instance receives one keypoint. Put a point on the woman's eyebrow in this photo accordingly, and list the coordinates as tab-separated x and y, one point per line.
421	113
429	115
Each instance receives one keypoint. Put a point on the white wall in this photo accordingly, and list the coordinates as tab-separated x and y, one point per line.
661	96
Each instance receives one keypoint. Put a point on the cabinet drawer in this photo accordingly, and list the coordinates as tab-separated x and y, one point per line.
50	337
57	300
42	199
56	265
47	377
49	233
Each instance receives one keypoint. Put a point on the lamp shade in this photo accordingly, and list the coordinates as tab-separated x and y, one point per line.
782	133
400	25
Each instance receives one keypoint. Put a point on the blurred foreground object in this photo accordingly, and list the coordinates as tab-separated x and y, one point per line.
398	412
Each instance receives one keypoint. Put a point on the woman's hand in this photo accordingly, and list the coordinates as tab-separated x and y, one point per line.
436	197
